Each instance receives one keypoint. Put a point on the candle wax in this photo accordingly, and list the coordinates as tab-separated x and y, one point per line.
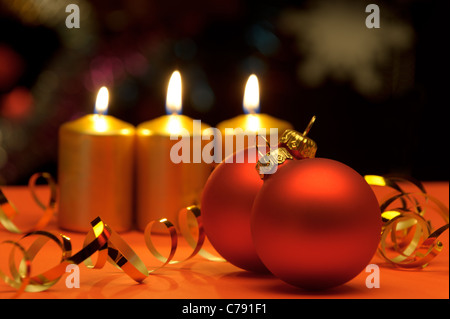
165	187
95	172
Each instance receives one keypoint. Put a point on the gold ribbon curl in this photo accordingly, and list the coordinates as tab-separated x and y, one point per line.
8	211
21	277
100	239
408	240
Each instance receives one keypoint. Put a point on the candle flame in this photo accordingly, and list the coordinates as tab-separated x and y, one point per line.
251	95
101	104
174	92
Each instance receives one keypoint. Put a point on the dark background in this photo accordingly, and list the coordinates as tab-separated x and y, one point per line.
380	95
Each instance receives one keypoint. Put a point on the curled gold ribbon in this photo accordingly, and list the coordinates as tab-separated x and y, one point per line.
16	281
8	211
101	239
191	213
408	240
109	245
185	228
21	277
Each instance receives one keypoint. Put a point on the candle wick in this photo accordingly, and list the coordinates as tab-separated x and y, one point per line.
100	113
308	128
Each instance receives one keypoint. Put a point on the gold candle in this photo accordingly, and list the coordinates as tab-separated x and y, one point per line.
250	123
95	172
165	186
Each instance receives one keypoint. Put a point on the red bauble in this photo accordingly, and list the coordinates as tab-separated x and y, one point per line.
316	223
226	205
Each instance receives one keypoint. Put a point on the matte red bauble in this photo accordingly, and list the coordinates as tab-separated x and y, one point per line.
226	205
315	223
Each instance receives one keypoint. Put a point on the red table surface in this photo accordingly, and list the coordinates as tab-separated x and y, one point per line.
199	278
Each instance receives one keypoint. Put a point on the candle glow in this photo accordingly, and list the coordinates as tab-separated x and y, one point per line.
174	93
251	103
174	103
101	104
251	95
101	108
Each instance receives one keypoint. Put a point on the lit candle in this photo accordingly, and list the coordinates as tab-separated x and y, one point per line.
95	172
252	122
164	187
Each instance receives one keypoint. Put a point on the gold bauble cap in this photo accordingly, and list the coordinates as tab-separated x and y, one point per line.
299	145
291	145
